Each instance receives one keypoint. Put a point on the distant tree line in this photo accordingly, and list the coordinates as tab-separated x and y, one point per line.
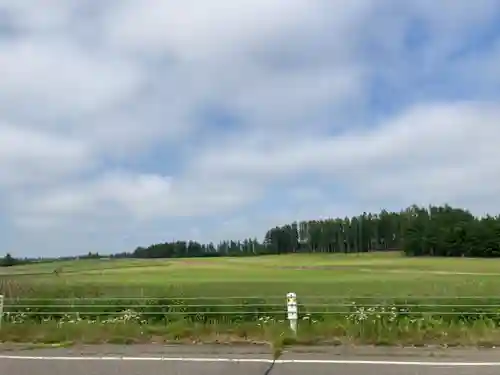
8	261
417	231
447	231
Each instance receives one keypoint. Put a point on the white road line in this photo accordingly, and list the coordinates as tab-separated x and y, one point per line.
254	360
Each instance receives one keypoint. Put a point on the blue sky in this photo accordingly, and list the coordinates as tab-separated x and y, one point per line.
124	123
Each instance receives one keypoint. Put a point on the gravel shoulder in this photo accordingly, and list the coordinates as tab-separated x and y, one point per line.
258	351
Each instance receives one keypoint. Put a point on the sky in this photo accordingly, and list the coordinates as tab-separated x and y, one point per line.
130	122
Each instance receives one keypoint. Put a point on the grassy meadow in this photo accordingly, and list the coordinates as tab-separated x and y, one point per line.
379	274
368	298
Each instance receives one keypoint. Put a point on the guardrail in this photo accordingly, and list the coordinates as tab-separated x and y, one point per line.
284	307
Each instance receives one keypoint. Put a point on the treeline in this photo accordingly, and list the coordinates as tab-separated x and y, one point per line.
8	261
364	233
447	231
418	231
193	249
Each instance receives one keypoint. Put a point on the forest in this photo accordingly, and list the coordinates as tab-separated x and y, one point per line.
417	231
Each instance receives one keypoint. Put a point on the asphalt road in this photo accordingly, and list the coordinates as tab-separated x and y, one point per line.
198	360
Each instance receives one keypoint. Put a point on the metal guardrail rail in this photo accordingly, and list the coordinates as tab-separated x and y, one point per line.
253	305
103	310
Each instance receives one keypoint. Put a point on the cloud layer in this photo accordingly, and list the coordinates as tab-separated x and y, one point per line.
123	123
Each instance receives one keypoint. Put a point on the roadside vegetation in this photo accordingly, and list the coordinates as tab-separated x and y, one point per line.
337	332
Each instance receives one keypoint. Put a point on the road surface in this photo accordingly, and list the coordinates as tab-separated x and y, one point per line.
252	360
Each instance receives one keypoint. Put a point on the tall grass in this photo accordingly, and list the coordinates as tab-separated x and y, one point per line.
250	309
382	325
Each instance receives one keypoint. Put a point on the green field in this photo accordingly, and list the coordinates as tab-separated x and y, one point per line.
380	274
381	298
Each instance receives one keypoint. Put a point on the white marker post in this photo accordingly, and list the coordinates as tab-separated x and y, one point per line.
292	311
1	310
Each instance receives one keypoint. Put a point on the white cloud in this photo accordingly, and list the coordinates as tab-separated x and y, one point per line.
134	197
106	129
296	97
207	30
33	157
58	81
36	15
436	150
429	153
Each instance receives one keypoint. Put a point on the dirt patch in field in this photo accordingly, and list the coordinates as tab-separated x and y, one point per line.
432	272
187	261
315	268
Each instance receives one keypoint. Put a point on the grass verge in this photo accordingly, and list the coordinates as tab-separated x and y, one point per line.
395	322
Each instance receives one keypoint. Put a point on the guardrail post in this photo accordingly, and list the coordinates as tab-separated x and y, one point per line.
1	310
292	311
